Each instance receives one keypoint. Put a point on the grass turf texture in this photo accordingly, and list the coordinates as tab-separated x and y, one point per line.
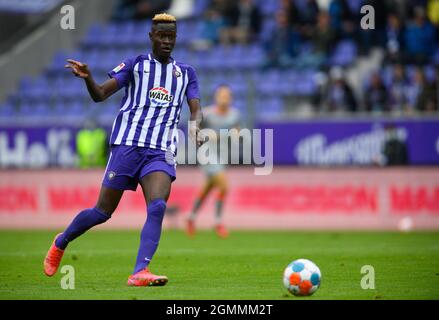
248	265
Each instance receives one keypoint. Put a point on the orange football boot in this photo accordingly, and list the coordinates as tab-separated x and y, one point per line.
221	231
53	258
190	228
144	278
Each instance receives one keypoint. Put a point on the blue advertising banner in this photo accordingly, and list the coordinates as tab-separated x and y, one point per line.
351	142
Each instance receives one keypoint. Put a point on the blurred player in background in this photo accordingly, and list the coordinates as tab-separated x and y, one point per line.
219	116
143	142
91	145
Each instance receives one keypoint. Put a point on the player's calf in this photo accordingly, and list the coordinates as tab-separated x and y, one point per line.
190	228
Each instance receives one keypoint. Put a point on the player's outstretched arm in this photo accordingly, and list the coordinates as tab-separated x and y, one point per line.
97	92
195	121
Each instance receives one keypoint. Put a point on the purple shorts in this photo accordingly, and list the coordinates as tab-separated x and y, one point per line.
128	164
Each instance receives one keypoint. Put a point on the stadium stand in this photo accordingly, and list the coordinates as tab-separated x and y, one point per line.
243	66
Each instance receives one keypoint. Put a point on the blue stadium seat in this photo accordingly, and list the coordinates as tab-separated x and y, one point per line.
436	57
41	91
38	110
70	110
8	111
430	73
268	83
93	37
269	108
241	104
344	53
105	112
387	75
58	63
355	6
200	6
268	8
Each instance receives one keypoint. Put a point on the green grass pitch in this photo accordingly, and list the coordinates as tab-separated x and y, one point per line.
248	265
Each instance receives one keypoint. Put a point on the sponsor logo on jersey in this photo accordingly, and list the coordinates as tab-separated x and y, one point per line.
119	67
160	96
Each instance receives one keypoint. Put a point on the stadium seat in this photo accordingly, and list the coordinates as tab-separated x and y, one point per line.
344	54
436	57
93	36
268	8
269	108
430	73
8	111
200	6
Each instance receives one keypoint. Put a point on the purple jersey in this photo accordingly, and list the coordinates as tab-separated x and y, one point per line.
154	95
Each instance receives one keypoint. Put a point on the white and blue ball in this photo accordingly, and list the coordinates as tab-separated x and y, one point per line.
302	277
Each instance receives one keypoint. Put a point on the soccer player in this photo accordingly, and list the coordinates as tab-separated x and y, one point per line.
143	142
219	116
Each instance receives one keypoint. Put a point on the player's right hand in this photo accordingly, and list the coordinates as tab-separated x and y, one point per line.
79	69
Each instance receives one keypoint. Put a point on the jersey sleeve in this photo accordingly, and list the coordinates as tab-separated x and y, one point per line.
122	73
192	90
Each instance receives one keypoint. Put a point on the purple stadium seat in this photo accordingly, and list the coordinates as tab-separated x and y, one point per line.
430	73
200	6
40	90
254	58
93	36
436	57
387	75
355	6
25	83
344	53
269	7
25	109
75	108
269	108
8	111
268	83
59	61
42	110
240	104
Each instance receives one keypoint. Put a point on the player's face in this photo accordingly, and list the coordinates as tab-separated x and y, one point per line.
163	36
223	97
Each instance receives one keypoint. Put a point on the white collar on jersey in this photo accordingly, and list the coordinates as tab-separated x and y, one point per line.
150	57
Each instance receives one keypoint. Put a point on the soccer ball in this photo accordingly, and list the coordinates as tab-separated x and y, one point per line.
302	277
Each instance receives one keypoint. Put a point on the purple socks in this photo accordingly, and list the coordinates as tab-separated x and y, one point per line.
82	222
150	236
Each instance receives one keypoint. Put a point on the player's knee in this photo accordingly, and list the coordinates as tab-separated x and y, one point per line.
222	193
156	209
223	188
157	206
104	216
106	207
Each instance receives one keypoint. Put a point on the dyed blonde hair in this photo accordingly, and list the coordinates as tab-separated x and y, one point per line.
164	17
